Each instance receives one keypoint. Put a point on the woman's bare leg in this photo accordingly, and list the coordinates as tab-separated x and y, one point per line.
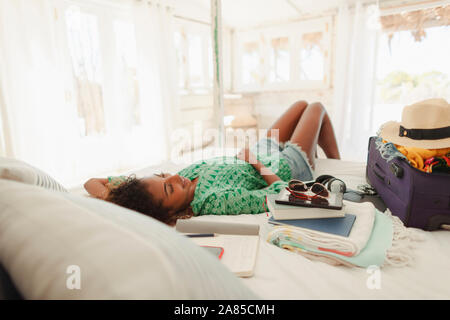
327	139
314	127
288	121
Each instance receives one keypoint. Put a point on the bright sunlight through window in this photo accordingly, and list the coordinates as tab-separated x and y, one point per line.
410	71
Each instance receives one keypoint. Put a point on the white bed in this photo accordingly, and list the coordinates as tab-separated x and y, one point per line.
43	230
281	274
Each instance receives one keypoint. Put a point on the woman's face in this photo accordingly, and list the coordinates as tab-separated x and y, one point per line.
174	192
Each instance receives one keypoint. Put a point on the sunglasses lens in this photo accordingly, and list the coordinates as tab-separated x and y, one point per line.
319	200
295	199
319	189
297	185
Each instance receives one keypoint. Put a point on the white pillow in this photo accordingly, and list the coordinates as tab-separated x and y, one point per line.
13	169
120	253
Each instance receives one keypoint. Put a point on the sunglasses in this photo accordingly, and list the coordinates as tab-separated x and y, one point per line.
297	186
301	197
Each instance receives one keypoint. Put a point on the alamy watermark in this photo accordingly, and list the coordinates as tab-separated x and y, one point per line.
229	145
373	282
73	281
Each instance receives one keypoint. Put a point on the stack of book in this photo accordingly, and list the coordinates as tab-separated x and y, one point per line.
356	235
329	219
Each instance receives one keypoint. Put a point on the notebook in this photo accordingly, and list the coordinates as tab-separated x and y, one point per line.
338	226
239	251
240	241
290	212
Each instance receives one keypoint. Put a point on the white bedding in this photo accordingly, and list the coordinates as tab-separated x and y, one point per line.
281	274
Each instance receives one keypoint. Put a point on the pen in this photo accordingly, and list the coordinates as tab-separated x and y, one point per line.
200	235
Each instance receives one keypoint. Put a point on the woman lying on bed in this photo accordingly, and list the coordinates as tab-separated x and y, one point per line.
230	185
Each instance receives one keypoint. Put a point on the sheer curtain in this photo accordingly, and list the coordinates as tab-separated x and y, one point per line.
157	72
37	126
41	90
354	82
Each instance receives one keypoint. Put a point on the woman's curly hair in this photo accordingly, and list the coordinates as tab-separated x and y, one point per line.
133	194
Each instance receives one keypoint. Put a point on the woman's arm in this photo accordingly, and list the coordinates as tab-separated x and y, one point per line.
97	188
239	200
267	174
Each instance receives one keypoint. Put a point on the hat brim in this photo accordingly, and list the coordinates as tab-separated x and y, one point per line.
389	132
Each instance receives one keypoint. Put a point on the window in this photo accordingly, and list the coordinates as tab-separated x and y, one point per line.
194	57
93	69
279	60
84	48
312	58
127	68
195	60
404	76
113	94
251	68
179	42
283	57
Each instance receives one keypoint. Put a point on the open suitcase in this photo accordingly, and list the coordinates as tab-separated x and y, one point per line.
419	199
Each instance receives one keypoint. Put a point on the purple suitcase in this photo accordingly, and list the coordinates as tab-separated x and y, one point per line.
419	199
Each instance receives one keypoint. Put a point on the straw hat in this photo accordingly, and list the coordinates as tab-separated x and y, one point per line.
425	124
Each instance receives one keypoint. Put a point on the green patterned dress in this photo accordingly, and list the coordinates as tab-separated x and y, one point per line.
228	185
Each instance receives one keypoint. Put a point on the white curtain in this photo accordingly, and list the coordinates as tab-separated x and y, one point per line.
36	123
354	81
39	119
157	72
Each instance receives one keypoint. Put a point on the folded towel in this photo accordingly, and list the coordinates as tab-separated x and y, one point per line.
326	242
322	257
390	243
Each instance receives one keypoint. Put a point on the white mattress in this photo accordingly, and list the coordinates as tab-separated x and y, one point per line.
281	274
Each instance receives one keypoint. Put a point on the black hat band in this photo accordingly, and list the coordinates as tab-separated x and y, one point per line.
425	134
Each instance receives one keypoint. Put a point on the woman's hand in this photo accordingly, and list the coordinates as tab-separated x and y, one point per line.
97	187
246	155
